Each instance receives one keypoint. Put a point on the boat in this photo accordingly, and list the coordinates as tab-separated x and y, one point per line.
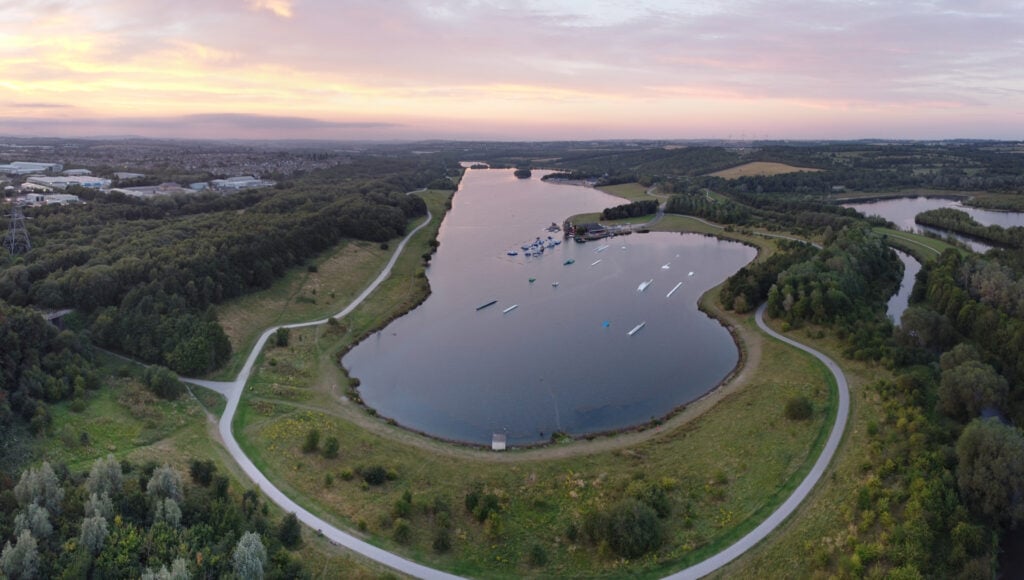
555	284
596	263
673	290
532	280
665	267
643	285
512	253
510	309
602	248
486	304
569	261
637	328
690	274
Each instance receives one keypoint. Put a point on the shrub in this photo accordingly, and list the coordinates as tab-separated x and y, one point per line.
281	337
630	528
374	474
799	409
312	441
442	541
402	533
202	471
538	556
331	447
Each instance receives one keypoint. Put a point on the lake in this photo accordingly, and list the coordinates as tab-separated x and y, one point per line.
562	359
902	210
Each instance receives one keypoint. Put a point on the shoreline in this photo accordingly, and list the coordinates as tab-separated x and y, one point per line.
675	418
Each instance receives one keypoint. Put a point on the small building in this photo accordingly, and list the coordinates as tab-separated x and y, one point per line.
64	182
124	175
239	183
199	186
498	441
76	172
30	167
145	191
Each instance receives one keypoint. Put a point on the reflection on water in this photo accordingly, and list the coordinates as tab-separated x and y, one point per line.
898	302
901	211
562	359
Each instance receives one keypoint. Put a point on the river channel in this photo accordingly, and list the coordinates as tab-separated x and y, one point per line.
555	354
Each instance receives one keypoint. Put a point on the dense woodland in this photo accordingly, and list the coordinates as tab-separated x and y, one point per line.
946	472
148	521
962	223
143	274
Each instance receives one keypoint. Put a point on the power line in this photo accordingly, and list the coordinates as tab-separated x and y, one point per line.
16	241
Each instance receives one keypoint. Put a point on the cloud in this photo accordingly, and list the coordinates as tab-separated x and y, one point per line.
282	8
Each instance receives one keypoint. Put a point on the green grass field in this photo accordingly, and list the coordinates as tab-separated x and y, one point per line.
627	191
921	247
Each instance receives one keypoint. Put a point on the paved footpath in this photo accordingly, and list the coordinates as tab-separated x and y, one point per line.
232	390
716	562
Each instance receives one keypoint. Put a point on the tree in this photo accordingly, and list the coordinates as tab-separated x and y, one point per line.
99	505
35	519
21	561
163	382
281	337
167	511
105	477
990	473
165	483
969	388
630	527
249	556
290	531
202	471
178	571
94	534
41	487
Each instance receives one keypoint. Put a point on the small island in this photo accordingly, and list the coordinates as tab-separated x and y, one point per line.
523	173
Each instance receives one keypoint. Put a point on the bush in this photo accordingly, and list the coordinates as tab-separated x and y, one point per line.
331	447
442	541
281	337
374	474
799	409
312	441
630	528
402	533
538	556
202	471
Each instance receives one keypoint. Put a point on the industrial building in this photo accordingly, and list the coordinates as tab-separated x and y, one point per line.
30	167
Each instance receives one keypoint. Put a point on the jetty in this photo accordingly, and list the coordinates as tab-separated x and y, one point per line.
596	263
510	309
486	304
637	328
673	290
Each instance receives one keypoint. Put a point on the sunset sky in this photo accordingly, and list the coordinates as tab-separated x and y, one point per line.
526	69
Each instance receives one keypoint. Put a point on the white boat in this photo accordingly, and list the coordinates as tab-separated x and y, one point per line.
643	285
665	267
510	309
555	284
602	248
636	328
690	274
596	263
673	290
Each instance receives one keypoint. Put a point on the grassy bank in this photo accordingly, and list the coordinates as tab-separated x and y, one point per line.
721	471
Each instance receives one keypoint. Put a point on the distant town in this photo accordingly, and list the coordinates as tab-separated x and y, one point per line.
35	172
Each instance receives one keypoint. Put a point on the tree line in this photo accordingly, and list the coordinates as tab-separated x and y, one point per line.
961	222
630	210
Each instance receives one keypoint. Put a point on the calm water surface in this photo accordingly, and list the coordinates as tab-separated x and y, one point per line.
562	360
898	303
901	211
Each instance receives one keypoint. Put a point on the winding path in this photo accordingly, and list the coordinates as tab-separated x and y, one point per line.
716	562
232	391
